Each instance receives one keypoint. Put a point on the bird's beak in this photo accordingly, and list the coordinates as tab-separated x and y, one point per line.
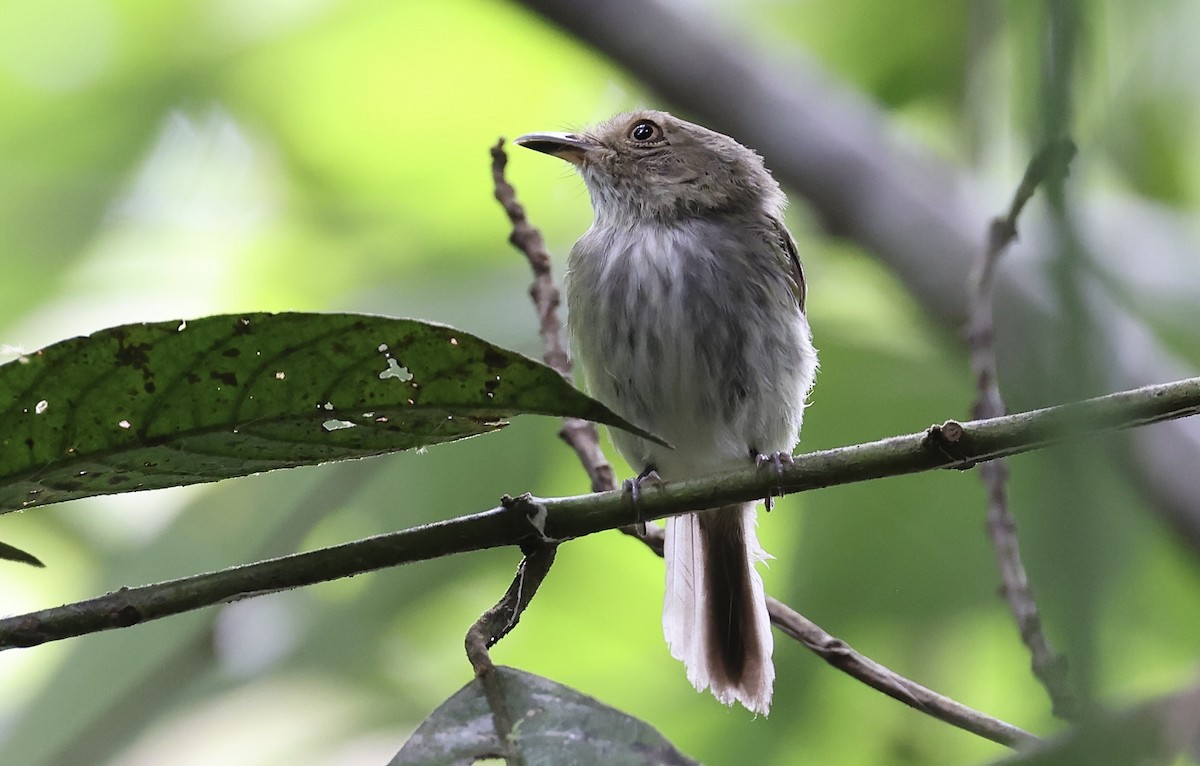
567	146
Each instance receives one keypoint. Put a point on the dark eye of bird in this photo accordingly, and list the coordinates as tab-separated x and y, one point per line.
645	130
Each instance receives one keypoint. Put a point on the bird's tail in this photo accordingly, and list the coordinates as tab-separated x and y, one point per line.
715	611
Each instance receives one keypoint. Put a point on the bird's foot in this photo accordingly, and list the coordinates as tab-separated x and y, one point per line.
634	488
776	460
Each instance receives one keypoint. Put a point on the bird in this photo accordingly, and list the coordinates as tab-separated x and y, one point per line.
686	310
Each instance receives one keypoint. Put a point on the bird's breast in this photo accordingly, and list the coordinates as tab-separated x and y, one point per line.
681	328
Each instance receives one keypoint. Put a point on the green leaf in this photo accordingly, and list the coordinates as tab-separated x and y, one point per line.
145	406
13	553
552	724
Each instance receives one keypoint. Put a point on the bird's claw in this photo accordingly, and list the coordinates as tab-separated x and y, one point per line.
634	488
776	460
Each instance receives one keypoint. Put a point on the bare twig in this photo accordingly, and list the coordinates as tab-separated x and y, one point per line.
499	621
526	238
840	655
496	623
580	434
1002	231
1049	667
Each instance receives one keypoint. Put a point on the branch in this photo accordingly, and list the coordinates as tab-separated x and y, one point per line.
840	655
951	445
526	238
580	434
496	623
1049	667
499	621
915	212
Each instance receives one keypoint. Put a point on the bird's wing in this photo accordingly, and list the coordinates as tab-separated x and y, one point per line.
791	260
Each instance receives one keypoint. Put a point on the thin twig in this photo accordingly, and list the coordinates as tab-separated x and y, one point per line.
580	434
526	238
585	441
1049	667
496	623
840	655
499	621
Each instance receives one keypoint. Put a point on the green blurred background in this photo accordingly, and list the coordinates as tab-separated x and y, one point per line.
175	159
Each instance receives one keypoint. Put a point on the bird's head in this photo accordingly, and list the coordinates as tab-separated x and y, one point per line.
649	164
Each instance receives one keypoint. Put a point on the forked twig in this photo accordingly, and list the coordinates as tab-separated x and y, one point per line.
1049	666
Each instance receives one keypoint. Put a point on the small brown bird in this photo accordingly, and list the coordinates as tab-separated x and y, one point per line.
686	309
